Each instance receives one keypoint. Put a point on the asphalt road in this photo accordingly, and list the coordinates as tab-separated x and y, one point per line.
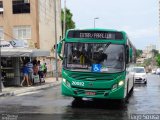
49	104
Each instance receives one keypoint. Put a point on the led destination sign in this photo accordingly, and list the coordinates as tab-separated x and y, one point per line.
96	35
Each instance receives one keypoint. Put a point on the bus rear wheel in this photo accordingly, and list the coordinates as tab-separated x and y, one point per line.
145	82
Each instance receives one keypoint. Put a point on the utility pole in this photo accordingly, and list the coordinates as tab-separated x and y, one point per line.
0	70
64	19
95	21
56	60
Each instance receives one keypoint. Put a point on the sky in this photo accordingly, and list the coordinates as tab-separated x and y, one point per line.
138	18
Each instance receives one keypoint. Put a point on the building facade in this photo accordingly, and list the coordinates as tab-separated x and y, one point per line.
37	22
147	52
149	48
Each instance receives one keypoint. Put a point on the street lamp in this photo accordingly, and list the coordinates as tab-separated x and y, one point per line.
55	18
0	69
95	21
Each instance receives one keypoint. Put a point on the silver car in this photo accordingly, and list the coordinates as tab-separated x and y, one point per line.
140	75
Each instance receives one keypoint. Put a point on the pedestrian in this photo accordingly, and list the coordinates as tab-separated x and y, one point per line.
44	69
35	74
30	68
25	72
40	70
34	62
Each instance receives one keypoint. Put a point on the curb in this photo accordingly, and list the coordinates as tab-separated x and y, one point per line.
29	89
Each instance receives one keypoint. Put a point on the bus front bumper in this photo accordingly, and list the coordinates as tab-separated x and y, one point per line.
99	94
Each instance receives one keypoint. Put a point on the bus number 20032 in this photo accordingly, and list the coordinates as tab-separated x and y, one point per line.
77	83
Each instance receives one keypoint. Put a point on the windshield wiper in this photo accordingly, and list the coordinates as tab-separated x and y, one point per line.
107	45
104	56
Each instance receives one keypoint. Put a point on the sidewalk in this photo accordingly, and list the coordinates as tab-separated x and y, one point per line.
11	91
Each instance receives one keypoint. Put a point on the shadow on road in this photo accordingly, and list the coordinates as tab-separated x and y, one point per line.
140	85
100	104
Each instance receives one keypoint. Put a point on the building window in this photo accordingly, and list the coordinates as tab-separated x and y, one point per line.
1	7
21	6
22	32
1	33
1	4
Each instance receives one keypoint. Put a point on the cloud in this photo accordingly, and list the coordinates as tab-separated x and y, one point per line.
142	37
147	32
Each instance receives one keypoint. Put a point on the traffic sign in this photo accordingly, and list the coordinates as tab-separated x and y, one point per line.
96	68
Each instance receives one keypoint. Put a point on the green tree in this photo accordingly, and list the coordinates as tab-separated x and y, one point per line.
138	53
70	24
155	52
158	60
147	62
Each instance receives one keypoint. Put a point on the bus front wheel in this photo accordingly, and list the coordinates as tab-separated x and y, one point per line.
77	98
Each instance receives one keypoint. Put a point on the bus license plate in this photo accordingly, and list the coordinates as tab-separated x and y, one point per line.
90	93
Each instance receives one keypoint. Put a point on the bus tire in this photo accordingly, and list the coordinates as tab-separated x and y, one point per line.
145	82
127	89
124	101
127	93
132	87
77	98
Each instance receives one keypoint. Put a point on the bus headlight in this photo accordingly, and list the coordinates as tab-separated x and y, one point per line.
66	82
121	83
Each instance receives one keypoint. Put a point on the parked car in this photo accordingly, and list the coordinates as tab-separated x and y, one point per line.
140	75
153	71
158	71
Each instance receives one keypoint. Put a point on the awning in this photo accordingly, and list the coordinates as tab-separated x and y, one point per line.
23	52
39	53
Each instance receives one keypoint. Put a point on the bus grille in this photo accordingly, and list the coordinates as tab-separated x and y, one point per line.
81	91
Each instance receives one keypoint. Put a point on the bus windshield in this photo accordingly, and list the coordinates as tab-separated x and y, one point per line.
84	56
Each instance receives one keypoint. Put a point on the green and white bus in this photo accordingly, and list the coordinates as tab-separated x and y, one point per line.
95	64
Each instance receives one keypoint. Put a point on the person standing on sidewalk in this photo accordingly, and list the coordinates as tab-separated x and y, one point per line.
25	72
30	69
44	69
40	71
35	74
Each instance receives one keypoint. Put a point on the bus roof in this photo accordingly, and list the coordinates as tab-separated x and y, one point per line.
97	29
100	33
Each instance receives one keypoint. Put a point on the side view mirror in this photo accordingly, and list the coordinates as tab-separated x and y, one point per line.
130	53
127	54
60	49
